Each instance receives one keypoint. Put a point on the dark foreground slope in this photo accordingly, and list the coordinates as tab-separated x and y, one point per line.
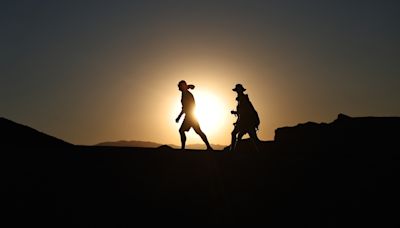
17	135
340	174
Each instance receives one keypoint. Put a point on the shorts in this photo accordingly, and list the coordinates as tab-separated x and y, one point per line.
189	122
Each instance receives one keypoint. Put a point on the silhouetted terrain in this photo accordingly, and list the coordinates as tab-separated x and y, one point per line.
146	144
14	134
337	174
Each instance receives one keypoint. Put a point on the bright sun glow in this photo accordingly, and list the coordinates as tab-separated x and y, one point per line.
209	112
213	115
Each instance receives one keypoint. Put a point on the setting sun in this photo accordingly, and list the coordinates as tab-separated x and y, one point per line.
212	110
209	112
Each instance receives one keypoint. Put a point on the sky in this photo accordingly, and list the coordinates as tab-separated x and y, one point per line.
94	71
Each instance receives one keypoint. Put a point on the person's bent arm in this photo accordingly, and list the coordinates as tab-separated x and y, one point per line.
179	116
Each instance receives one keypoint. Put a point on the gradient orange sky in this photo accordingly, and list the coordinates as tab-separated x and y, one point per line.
88	72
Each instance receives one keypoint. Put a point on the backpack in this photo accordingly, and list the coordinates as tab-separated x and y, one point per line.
251	113
255	117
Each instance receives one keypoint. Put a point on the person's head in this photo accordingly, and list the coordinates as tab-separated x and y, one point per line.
183	86
239	88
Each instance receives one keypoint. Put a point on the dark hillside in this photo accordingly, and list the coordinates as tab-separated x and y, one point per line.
18	135
337	174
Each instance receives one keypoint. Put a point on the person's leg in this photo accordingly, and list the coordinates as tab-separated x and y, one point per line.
184	127
183	138
203	136
240	135
254	138
253	135
233	140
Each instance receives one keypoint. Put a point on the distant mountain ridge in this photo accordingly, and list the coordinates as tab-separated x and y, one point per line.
147	144
129	143
343	129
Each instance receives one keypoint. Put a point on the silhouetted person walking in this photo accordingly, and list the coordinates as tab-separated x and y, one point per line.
247	121
190	121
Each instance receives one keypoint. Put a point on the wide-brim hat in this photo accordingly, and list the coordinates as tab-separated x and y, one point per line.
238	88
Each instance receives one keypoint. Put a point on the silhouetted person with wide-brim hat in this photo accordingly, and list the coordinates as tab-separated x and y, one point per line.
190	121
239	88
247	121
